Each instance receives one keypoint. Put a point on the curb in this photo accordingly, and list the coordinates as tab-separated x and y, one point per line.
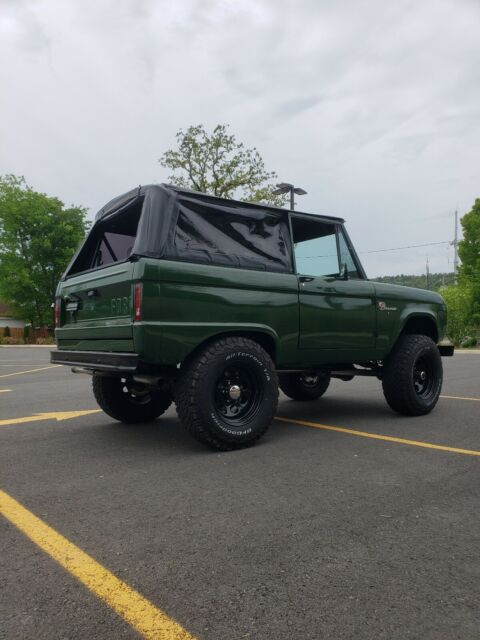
27	346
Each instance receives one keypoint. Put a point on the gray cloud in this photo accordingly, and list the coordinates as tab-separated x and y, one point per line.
373	107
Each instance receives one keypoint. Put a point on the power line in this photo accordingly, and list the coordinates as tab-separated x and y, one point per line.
411	246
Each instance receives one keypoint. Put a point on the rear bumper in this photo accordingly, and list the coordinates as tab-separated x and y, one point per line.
97	360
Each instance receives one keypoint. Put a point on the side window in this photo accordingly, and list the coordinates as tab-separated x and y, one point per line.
346	257
232	236
315	247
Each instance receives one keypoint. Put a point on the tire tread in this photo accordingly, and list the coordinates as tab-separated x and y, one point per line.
110	401
187	383
396	377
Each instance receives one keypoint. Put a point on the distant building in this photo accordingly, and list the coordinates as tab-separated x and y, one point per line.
7	320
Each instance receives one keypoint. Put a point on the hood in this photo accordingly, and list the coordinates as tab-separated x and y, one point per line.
400	292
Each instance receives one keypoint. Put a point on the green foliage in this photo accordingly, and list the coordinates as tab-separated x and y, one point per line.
460	317
38	237
469	252
436	280
6	332
219	165
26	333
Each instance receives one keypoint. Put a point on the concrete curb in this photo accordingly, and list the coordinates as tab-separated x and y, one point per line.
27	346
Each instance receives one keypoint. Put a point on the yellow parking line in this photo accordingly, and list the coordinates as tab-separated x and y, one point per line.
4	390
461	398
54	415
376	436
19	373
140	613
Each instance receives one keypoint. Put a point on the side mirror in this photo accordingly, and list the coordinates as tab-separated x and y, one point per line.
344	272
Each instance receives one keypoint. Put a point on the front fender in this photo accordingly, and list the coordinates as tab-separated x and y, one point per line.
395	311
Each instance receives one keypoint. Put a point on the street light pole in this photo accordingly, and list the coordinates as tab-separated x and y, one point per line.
286	187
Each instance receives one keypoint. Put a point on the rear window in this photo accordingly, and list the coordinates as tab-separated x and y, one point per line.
109	241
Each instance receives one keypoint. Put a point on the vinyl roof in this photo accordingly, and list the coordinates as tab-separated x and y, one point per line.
130	196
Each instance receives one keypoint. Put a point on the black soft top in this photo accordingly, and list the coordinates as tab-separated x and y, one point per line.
179	224
159	195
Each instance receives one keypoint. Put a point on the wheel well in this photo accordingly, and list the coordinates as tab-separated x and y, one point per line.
263	339
422	325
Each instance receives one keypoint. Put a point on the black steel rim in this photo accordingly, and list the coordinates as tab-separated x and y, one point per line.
237	395
135	393
424	377
309	380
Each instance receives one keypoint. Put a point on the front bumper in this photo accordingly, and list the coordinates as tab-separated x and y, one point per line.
97	360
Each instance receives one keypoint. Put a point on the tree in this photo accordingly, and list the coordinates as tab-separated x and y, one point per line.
38	237
219	165
469	252
460	317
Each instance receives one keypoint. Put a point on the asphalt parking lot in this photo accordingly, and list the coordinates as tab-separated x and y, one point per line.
314	533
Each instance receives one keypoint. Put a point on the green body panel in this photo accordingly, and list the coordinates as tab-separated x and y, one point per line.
103	321
321	321
337	314
184	304
102	344
401	305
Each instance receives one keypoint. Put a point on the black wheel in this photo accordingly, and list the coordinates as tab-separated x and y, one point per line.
129	401
413	376
227	395
304	386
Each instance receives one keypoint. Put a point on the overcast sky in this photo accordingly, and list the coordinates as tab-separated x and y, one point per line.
372	106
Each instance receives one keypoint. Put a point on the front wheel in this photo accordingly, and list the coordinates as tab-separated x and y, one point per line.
304	386
227	395
128	401
413	376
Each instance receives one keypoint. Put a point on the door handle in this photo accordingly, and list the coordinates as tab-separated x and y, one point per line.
92	293
304	279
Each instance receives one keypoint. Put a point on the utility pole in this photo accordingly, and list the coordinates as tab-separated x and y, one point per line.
428	274
455	249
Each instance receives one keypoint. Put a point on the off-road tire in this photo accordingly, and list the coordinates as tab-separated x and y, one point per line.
403	387
202	393
114	397
293	386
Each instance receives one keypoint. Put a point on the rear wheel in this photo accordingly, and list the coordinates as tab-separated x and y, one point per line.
227	395
413	376
304	386
128	401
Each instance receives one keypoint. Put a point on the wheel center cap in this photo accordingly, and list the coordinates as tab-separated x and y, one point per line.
423	375
234	392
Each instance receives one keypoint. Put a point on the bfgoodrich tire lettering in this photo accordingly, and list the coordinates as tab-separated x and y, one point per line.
413	376
128	402
227	395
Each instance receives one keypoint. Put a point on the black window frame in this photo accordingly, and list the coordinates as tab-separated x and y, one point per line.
339	228
99	230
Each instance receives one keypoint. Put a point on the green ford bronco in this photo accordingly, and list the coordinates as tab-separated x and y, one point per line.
177	296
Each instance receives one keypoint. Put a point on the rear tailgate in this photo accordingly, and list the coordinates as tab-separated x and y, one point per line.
96	310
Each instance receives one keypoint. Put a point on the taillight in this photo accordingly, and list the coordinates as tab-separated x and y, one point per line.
58	307
137	308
